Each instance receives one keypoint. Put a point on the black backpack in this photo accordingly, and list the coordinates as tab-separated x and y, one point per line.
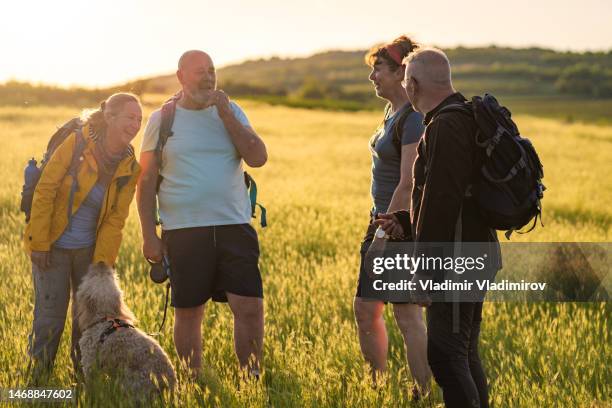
168	110
33	171
509	190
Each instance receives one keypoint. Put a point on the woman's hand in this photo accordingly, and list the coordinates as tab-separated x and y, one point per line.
41	259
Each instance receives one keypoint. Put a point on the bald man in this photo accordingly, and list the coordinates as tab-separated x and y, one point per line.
447	163
205	211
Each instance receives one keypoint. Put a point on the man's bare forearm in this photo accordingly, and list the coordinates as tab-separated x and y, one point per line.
146	200
250	146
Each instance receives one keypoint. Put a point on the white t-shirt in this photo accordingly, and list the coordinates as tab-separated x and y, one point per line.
203	181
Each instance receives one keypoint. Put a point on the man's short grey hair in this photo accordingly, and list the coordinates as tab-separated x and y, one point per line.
432	64
423	54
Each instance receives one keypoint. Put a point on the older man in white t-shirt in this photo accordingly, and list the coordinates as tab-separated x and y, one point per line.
205	211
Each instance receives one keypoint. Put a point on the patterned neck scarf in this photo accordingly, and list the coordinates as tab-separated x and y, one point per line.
107	162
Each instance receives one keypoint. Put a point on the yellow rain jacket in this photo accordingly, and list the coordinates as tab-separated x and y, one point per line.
49	217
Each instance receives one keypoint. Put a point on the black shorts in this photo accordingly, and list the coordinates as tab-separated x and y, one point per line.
365	245
207	262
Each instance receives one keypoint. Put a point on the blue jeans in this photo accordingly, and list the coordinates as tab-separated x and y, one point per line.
52	288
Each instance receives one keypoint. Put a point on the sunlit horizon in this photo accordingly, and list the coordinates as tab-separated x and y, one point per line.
68	43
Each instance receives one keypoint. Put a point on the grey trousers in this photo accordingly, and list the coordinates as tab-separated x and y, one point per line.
52	288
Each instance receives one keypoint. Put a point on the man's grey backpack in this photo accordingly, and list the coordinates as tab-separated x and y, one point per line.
509	190
168	110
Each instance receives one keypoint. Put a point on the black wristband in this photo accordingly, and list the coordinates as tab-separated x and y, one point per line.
403	217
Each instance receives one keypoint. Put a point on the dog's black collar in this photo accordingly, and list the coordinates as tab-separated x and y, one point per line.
114	325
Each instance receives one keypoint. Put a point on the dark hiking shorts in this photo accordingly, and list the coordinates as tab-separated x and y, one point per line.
207	262
365	245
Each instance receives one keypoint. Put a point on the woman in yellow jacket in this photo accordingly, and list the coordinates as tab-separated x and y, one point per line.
69	228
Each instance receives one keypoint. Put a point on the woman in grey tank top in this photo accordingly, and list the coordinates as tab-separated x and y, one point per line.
393	149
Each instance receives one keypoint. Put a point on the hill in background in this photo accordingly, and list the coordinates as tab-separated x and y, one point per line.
339	80
343	74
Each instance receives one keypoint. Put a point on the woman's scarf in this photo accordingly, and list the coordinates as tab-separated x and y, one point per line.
107	162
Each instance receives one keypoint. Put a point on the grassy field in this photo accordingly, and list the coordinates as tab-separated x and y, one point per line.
565	109
315	187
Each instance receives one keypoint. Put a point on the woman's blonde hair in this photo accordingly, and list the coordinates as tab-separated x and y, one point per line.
113	105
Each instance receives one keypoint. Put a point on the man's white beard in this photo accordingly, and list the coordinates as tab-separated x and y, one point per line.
201	97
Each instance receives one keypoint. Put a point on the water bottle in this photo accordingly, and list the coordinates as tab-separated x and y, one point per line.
31	174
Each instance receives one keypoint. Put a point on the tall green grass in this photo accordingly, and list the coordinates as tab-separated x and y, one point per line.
315	187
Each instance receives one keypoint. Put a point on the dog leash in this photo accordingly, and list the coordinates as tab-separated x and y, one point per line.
159	273
161	326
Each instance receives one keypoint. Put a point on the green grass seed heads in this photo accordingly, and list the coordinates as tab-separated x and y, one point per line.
316	189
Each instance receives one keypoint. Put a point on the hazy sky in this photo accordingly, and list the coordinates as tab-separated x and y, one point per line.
106	42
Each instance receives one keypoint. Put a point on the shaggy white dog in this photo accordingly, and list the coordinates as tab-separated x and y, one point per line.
110	344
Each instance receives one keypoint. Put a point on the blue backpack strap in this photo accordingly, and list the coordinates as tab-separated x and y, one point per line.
79	147
252	189
264	219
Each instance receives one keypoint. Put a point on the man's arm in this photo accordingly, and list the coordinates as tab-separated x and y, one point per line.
250	146
146	196
449	167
